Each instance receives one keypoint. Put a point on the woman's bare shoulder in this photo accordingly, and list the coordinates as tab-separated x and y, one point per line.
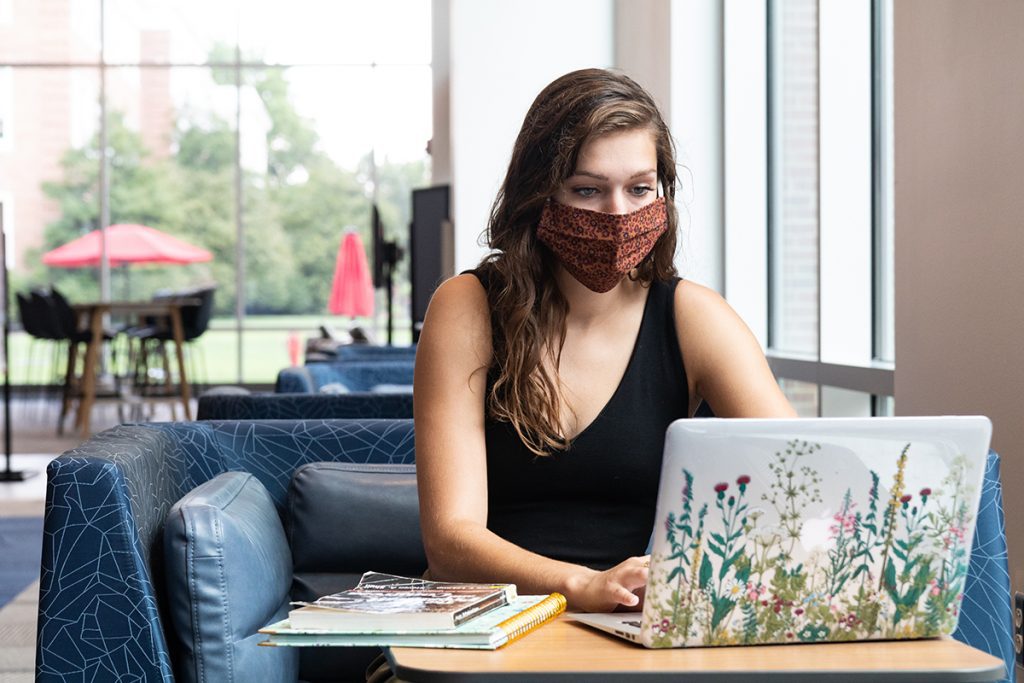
458	318
696	301
459	296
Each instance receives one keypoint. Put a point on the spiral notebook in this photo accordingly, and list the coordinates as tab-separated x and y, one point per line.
809	530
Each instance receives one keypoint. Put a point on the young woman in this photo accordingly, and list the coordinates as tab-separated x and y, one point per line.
545	378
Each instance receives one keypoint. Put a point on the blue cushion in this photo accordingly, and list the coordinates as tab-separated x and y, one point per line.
228	572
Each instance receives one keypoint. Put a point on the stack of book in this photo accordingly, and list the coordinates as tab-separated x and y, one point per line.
387	610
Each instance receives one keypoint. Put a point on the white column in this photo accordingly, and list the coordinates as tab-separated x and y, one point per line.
501	55
696	123
745	153
844	182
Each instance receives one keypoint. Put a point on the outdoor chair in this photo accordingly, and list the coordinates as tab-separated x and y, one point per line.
64	323
34	313
152	337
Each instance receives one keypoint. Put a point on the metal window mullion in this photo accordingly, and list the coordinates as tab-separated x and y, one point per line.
239	222
817	170
771	338
104	176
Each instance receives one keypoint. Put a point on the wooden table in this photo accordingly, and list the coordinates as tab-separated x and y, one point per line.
568	651
94	314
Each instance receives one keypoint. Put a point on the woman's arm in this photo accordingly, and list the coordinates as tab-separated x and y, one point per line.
724	363
451	467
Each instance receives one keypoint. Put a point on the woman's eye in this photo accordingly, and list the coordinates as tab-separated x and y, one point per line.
641	190
585	191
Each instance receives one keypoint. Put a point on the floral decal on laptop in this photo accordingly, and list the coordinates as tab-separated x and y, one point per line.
736	568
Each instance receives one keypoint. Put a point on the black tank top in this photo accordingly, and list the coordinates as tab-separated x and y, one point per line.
593	504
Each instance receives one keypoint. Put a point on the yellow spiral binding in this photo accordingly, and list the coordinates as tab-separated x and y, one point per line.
544	611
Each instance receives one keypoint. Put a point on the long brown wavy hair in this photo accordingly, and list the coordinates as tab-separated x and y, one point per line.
527	308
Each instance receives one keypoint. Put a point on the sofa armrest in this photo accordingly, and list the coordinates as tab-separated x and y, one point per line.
986	619
98	610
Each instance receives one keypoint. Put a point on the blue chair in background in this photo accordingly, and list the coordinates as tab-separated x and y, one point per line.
356	352
345	377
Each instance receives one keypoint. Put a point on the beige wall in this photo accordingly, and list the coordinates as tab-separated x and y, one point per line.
959	212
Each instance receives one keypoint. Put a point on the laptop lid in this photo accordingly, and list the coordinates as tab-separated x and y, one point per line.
809	530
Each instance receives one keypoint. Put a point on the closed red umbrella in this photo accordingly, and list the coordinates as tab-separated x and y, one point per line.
352	288
126	243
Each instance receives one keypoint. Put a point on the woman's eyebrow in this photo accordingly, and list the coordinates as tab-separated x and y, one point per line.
598	176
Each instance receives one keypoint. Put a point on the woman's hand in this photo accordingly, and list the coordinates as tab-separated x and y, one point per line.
618	589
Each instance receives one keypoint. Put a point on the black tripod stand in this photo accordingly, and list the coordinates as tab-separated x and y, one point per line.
386	255
7	474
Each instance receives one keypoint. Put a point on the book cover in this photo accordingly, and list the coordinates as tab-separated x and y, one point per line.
485	632
385	602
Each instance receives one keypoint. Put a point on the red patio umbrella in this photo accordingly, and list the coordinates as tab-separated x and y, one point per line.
352	289
126	243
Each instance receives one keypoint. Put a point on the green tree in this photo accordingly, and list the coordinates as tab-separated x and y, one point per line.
295	211
142	190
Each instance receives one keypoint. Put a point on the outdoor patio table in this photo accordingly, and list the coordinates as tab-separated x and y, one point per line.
94	314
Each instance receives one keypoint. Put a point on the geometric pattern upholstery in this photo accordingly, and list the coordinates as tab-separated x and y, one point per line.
101	579
304	406
355	376
986	615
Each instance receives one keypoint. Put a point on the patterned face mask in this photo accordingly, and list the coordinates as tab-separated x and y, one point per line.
598	249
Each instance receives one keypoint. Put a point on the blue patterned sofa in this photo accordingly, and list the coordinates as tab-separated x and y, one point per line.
347	376
355	352
264	406
103	612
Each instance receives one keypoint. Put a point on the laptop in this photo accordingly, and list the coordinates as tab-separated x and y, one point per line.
809	530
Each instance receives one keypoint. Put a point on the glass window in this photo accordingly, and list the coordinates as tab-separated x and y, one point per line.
170	31
51	33
836	402
6	108
803	396
347	32
793	176
264	166
52	171
829	223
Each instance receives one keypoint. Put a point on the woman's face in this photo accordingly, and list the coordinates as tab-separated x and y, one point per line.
616	173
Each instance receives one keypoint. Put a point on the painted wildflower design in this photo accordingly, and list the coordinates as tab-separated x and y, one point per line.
890	566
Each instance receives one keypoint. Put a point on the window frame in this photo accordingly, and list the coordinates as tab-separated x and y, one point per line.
871	374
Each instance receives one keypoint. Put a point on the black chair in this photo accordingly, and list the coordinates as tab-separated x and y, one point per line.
153	337
64	322
36	321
